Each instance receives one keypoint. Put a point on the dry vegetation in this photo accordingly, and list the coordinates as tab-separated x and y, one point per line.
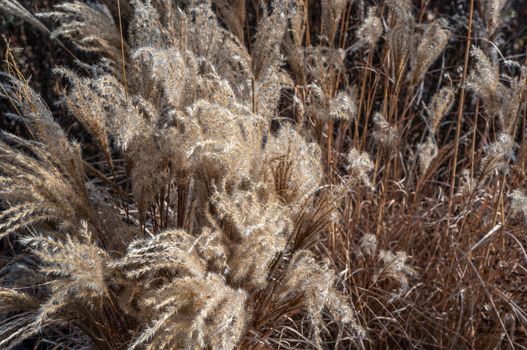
294	174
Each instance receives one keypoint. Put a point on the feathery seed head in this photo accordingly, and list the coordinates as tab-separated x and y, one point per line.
432	42
360	165
342	107
385	134
368	244
519	202
499	155
439	106
427	152
371	29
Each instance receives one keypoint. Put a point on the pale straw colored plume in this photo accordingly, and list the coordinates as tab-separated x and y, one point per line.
499	155
360	167
396	268
427	152
441	103
439	106
492	11
90	26
342	107
368	244
370	30
519	202
332	11
431	44
384	133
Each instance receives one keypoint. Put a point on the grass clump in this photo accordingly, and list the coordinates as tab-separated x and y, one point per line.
266	174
